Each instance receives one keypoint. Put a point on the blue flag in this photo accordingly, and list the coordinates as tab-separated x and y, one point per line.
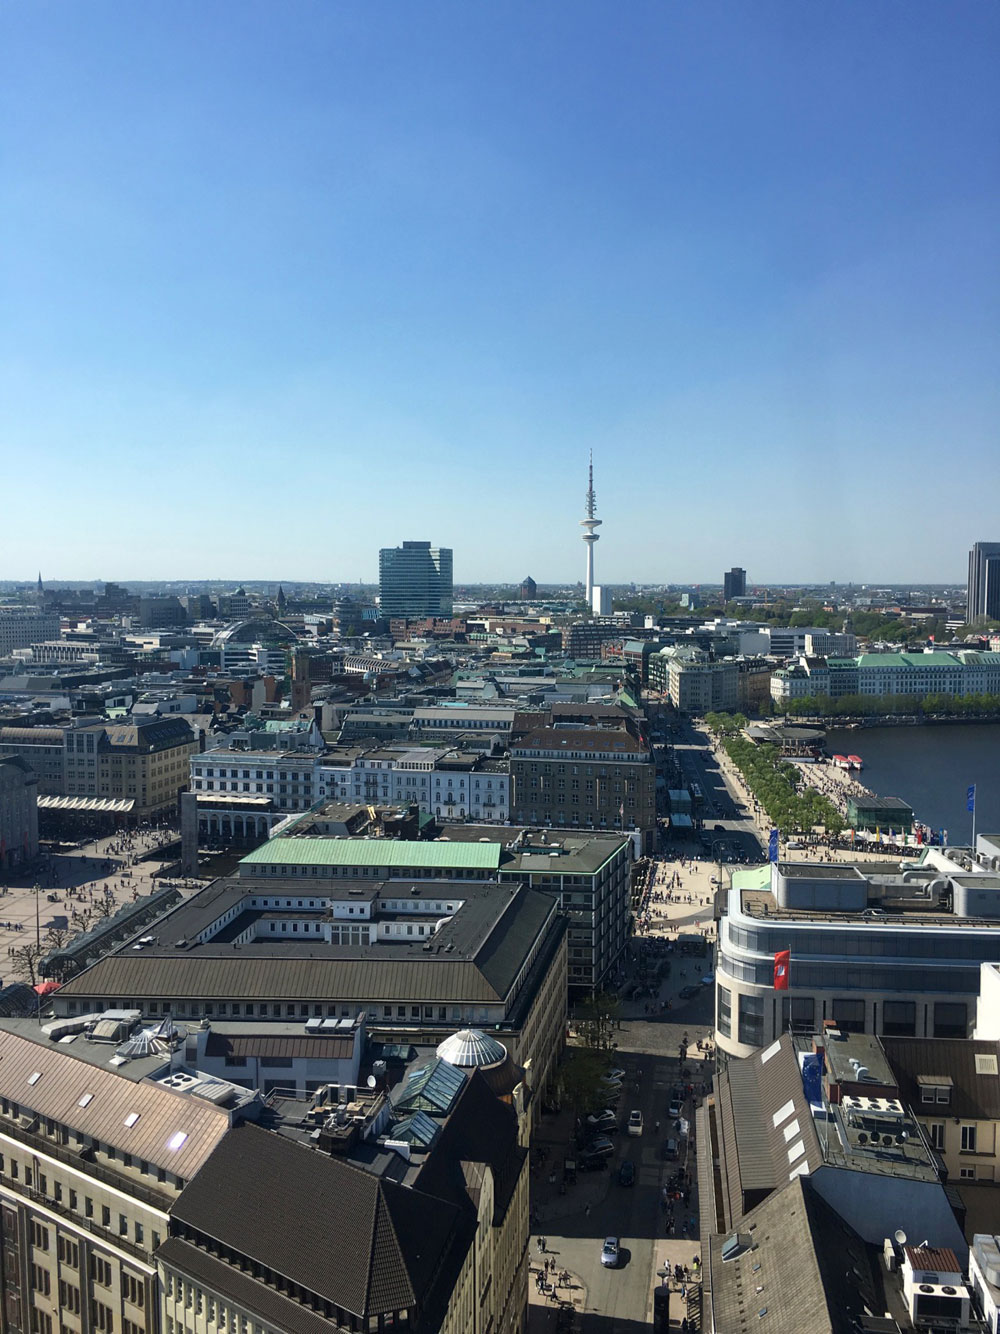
970	798
772	846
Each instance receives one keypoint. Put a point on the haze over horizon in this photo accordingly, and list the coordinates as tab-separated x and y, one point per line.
282	286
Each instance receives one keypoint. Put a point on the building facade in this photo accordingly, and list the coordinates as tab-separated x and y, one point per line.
415	580
984	581
888	950
584	778
18	813
20	627
734	584
695	682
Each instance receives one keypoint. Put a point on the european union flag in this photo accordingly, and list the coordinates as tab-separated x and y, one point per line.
970	798
772	846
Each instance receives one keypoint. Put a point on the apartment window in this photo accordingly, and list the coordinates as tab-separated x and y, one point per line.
935	1133
69	1297
102	1317
40	1322
968	1139
100	1271
41	1280
133	1289
39	1236
68	1251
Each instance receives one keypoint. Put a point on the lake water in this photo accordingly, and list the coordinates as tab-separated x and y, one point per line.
931	768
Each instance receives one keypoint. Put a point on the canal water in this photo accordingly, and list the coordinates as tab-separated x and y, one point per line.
931	768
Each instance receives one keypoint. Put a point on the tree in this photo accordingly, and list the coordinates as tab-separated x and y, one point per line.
580	1079
24	962
597	1018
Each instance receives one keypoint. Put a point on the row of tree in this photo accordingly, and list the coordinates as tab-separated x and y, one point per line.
869	706
792	805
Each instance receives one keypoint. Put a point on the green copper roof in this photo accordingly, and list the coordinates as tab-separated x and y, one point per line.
376	852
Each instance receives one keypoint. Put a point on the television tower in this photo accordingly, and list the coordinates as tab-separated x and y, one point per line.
590	537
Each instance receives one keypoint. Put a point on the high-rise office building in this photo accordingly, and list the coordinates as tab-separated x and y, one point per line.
984	581
415	580
734	583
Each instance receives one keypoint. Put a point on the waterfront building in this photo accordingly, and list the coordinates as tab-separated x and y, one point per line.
933	672
885	813
734	584
694	681
885	949
984	581
415	580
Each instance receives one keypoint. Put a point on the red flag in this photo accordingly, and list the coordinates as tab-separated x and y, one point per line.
782	962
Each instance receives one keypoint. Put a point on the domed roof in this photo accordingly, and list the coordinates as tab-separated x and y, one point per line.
470	1046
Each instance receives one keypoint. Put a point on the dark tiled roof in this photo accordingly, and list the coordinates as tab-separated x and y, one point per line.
228	1281
973	1096
366	1244
327	1049
480	1129
608	740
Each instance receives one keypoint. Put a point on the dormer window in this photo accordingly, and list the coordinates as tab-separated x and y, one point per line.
935	1088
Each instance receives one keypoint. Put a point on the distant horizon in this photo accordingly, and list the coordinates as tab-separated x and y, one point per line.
651	585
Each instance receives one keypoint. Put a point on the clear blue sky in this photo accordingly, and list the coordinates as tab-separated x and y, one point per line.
282	283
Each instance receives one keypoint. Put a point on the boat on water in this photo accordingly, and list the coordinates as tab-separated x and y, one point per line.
841	762
855	762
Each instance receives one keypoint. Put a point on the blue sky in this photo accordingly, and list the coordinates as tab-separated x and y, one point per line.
282	284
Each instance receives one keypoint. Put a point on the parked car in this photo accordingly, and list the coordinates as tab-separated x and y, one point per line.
606	1122
676	1104
688	993
626	1173
615	1073
609	1253
635	1122
599	1144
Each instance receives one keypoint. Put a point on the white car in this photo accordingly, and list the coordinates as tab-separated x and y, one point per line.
635	1123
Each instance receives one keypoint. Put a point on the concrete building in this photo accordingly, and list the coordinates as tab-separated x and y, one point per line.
18	813
414	948
984	581
92	1160
734	584
20	627
415	580
753	684
933	672
143	763
695	682
584	778
893	950
600	600
397	1219
43	749
440	781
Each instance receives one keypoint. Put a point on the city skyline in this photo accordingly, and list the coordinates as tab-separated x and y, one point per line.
430	261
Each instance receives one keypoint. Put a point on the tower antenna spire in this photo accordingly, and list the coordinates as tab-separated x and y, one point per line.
590	523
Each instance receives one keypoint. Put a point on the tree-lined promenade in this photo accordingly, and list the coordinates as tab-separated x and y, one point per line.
791	805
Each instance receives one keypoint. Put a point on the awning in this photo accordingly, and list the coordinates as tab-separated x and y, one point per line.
112	805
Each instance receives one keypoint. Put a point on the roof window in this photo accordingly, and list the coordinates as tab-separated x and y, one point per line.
176	1141
86	1100
33	1079
131	1119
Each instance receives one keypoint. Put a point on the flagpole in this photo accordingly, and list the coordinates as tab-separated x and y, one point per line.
973	818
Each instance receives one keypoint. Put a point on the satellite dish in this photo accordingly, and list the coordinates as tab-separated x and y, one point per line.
900	1236
371	1081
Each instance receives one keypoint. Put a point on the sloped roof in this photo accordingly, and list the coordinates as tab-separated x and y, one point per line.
365	1243
974	1096
163	1117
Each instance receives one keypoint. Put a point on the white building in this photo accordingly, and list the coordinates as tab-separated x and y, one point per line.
443	782
894	950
